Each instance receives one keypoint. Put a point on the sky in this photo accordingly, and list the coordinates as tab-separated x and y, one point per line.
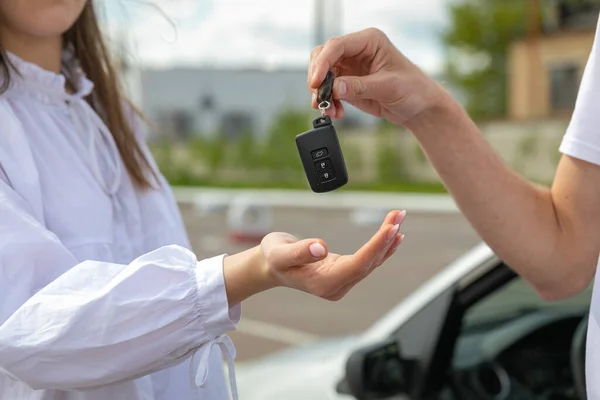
269	34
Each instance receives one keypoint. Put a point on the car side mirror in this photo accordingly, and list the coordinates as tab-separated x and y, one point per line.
378	372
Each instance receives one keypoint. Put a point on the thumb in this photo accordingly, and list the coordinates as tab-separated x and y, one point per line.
302	252
381	87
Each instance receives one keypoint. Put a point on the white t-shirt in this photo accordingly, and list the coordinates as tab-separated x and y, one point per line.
101	297
582	141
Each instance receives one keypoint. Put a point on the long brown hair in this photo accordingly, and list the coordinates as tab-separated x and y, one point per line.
92	53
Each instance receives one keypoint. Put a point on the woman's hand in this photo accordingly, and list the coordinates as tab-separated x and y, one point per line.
284	261
374	76
307	265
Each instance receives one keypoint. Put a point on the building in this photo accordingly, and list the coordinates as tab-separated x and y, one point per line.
229	102
545	70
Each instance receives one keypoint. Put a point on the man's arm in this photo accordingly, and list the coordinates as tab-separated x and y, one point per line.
550	237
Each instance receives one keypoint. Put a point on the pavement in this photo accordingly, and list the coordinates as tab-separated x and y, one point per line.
281	318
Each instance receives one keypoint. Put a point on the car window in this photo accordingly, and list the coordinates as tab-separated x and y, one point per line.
517	297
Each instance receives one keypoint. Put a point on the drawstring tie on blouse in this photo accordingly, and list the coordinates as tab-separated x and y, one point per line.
201	376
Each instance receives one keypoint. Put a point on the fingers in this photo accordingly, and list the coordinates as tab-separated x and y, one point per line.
375	248
338	110
346	288
336	49
382	86
292	254
276	238
359	265
392	250
312	65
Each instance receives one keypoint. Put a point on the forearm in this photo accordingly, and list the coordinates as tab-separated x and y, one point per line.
245	275
519	220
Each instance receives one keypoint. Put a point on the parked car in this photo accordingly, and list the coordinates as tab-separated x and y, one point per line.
474	331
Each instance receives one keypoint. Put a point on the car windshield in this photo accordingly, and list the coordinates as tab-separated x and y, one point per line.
515	298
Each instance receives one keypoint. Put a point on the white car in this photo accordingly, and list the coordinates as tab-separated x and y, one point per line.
474	331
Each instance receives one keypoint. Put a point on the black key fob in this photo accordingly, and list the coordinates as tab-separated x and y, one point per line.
322	157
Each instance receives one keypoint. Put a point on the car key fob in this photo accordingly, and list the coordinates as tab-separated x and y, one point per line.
322	156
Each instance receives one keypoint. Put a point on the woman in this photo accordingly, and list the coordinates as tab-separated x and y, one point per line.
100	296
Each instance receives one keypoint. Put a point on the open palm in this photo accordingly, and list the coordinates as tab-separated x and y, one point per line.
324	274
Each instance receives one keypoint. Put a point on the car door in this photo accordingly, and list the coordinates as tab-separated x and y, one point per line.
425	321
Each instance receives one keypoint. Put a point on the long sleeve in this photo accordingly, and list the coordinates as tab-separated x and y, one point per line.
68	325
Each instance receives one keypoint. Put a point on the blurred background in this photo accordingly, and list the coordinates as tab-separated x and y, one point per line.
224	84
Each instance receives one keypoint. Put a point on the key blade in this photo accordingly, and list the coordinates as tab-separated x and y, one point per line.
326	89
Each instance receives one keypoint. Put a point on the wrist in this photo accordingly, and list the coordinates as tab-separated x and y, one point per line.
246	274
441	109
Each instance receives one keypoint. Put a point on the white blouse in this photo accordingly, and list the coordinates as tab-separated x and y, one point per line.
100	296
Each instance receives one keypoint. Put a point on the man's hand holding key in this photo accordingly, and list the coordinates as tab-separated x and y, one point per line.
374	76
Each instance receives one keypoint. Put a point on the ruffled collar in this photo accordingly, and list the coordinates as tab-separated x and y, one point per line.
48	86
34	82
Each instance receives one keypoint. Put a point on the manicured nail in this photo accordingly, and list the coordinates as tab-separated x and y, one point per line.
393	232
342	89
400	217
398	244
317	250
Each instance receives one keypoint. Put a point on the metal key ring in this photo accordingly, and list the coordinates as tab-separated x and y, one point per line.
324	105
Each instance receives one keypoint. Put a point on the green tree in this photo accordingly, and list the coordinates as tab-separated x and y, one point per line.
280	152
390	164
245	152
214	151
478	39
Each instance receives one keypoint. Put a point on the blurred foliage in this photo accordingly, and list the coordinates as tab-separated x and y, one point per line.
273	161
353	156
399	186
390	163
528	145
526	148
420	155
246	153
280	151
478	39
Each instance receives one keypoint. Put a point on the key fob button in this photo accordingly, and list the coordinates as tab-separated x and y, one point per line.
326	176
323	165
320	153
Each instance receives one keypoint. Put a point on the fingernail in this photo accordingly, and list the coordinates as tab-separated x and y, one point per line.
393	232
342	89
399	243
317	250
314	96
400	217
314	75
